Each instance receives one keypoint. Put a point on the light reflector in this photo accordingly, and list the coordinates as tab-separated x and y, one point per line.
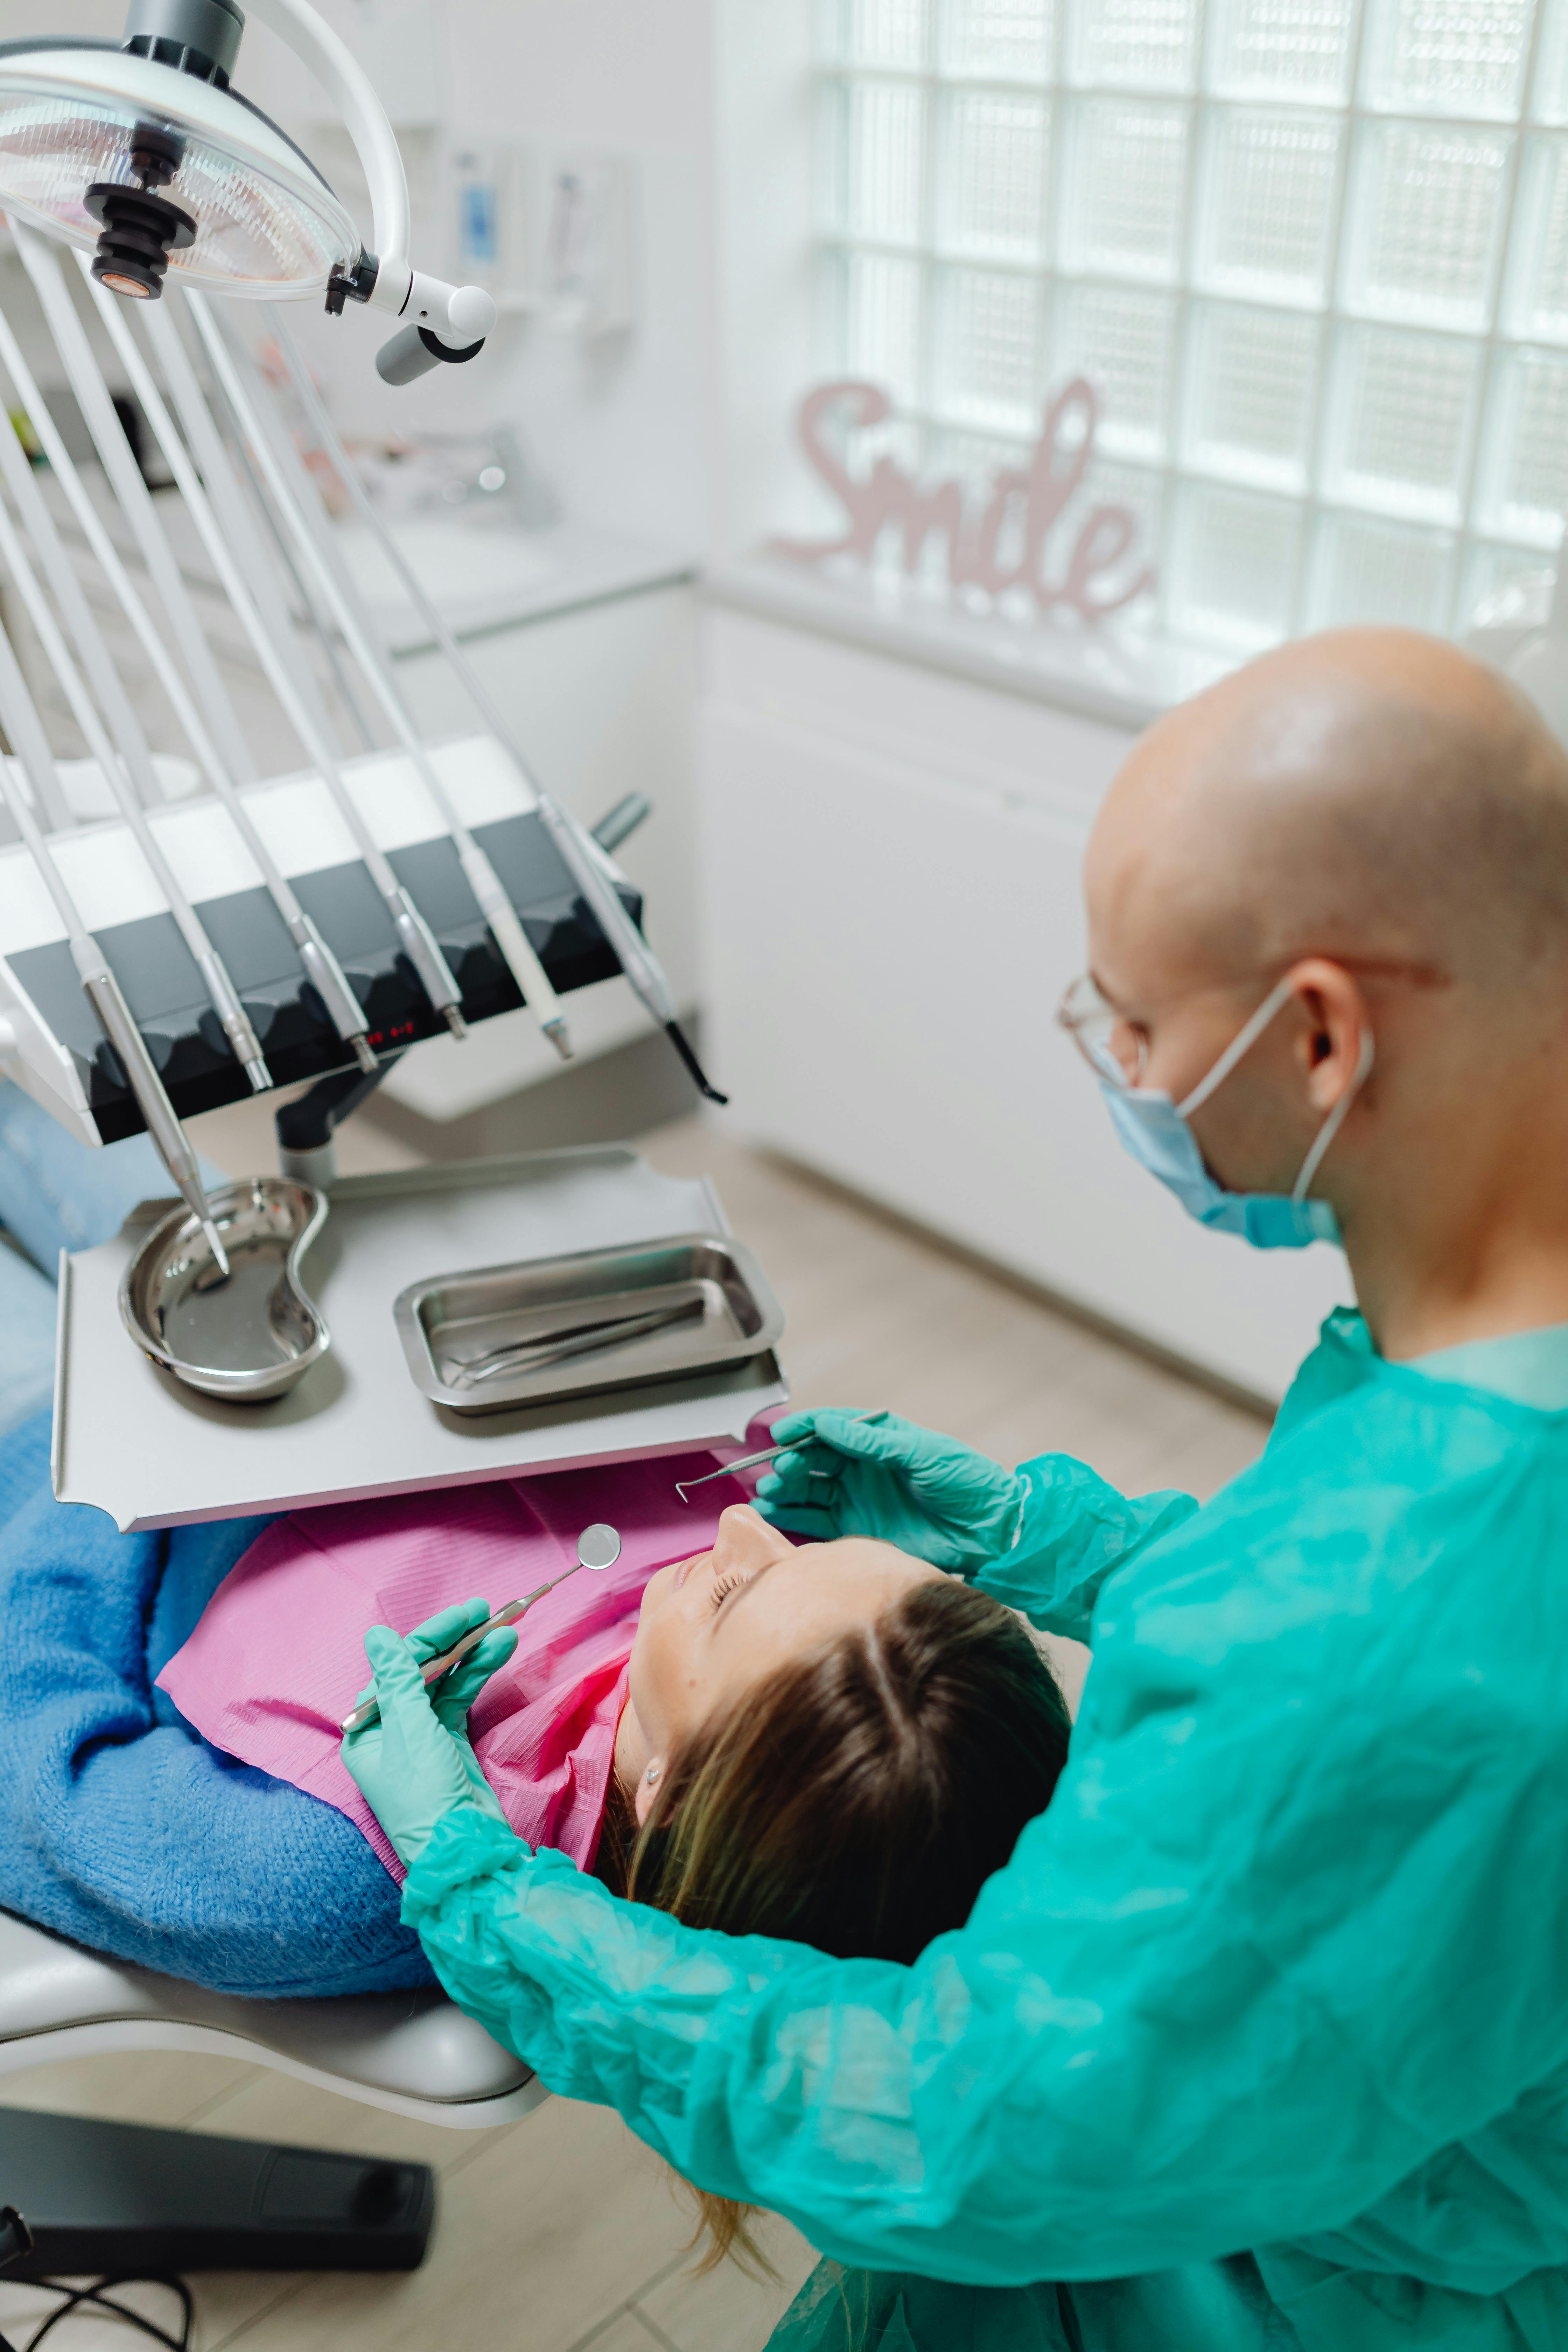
265	221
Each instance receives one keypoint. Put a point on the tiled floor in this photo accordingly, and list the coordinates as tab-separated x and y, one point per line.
561	2232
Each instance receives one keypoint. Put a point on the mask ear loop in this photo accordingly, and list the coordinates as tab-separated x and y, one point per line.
1278	995
1335	1120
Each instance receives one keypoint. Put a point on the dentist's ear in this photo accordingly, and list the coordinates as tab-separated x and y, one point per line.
1332	1041
647	1789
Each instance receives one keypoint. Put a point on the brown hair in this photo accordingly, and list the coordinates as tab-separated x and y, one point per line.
860	1798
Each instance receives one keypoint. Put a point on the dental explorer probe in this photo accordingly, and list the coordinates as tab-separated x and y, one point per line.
625	942
414	935
134	756
755	1461
598	1546
22	724
517	949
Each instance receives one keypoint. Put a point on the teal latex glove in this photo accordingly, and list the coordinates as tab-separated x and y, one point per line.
414	1765
455	1693
929	1495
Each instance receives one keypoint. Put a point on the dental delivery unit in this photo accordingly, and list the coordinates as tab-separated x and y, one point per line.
161	956
181	954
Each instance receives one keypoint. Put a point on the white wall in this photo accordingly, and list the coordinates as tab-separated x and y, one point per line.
764	194
623	429
893	862
892	884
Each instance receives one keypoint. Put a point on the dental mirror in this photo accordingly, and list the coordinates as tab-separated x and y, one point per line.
598	1546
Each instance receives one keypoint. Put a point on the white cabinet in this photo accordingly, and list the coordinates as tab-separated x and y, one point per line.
601	699
890	882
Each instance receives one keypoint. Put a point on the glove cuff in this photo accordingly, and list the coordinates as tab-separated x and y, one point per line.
465	1844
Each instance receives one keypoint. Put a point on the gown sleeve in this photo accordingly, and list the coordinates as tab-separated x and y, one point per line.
1293	1923
1074	1530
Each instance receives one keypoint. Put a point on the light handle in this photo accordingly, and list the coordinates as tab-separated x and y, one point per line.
415	350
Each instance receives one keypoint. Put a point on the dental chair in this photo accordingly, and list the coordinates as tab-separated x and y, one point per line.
340	923
123	2199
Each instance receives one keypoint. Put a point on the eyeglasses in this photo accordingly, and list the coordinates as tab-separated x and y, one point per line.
1115	1048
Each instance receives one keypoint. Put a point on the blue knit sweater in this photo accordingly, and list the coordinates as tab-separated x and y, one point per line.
119	1826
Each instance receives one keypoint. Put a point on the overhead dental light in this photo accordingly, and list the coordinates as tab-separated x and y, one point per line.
144	155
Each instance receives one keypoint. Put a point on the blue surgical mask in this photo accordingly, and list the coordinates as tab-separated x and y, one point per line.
1155	1130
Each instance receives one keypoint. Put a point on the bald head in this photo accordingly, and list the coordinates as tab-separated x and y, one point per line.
1367	795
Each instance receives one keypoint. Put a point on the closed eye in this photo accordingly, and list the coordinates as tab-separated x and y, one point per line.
726	1585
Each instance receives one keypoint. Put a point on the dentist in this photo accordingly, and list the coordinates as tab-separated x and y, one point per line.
1261	2038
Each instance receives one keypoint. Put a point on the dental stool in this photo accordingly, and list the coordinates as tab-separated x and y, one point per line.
122	2198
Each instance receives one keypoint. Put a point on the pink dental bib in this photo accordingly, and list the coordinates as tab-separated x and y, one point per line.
279	1654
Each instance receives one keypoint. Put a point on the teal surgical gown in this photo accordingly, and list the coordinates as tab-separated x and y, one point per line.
1261	2038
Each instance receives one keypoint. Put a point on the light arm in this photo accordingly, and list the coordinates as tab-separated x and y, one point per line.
458	316
350	87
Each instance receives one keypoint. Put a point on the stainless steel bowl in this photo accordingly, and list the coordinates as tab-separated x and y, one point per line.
252	1336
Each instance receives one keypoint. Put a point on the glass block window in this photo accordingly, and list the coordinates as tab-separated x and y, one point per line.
1313	253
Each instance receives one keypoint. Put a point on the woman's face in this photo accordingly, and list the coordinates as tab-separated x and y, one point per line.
716	1624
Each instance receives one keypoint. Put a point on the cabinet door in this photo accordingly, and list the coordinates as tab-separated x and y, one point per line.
885	952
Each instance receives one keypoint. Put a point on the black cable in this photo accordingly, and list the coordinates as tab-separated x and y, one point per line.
682	1045
16	2242
98	2296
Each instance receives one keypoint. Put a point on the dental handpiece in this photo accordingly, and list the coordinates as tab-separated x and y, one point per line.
516	949
598	1548
168	1136
19	716
415	938
631	951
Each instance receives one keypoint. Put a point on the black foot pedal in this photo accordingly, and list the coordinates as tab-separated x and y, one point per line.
121	2199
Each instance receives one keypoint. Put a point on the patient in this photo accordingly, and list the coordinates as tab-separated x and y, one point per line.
834	1742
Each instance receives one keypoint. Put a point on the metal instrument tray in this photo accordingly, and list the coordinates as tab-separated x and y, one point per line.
455	1327
152	1453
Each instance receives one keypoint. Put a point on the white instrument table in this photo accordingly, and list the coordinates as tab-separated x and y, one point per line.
136	1442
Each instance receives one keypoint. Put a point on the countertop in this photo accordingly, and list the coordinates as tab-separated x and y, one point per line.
482	575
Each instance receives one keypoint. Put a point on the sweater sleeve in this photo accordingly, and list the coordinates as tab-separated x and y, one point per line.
128	1834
